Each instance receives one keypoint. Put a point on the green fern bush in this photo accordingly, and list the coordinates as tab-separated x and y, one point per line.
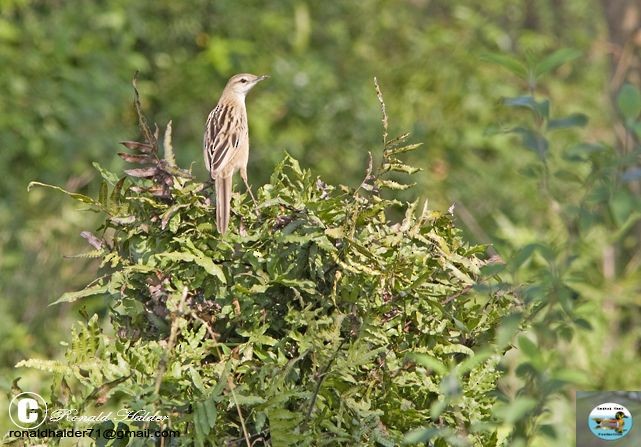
316	320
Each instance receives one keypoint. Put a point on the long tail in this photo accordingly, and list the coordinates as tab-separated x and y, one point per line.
223	199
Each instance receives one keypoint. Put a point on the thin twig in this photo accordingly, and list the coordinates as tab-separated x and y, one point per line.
368	175
230	384
379	95
142	121
321	377
210	331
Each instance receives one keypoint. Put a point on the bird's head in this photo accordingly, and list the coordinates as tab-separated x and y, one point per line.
242	83
620	415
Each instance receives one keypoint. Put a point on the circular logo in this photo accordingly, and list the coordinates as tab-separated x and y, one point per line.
28	410
610	421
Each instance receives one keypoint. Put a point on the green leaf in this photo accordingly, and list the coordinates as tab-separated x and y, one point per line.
457	348
110	177
210	411
402	149
508	62
391	184
584	151
533	141
529	348
574	120
473	361
93	254
492	269
573	376
282	426
629	101
79	197
335	233
429	362
201	421
167	215
383	439
621	206
515	410
103	195
508	327
583	324
569	176
70	297
400	167
50	366
548	430
249	400
201	260
636	128
437	408
555	60
102	441
196	379
123	220
420	435
540	108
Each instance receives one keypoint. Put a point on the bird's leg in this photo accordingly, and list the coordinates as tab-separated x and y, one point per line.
243	175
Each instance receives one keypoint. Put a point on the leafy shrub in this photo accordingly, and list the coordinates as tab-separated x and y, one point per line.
316	320
571	265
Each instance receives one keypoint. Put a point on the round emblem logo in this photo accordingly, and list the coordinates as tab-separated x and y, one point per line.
28	410
610	421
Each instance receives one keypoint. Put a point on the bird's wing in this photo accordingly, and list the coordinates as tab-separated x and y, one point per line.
223	133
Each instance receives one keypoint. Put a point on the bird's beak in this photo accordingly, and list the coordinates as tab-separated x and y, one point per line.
262	78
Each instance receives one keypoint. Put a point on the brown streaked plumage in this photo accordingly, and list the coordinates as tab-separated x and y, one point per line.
226	144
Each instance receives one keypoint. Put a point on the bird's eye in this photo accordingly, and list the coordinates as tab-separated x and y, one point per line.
243	80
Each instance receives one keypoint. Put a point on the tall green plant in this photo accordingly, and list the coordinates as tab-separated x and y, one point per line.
575	263
315	321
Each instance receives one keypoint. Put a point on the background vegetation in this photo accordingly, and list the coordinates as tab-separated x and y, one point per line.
563	215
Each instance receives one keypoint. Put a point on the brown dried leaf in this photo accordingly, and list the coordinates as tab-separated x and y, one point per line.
93	240
142	172
137	146
159	191
167	215
135	158
142	121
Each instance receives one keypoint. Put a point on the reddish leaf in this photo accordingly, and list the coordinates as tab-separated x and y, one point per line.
160	191
94	241
142	172
137	146
135	158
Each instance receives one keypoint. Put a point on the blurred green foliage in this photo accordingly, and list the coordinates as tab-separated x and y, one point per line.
563	219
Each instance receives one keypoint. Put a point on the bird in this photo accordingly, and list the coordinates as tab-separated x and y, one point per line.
615	424
226	142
